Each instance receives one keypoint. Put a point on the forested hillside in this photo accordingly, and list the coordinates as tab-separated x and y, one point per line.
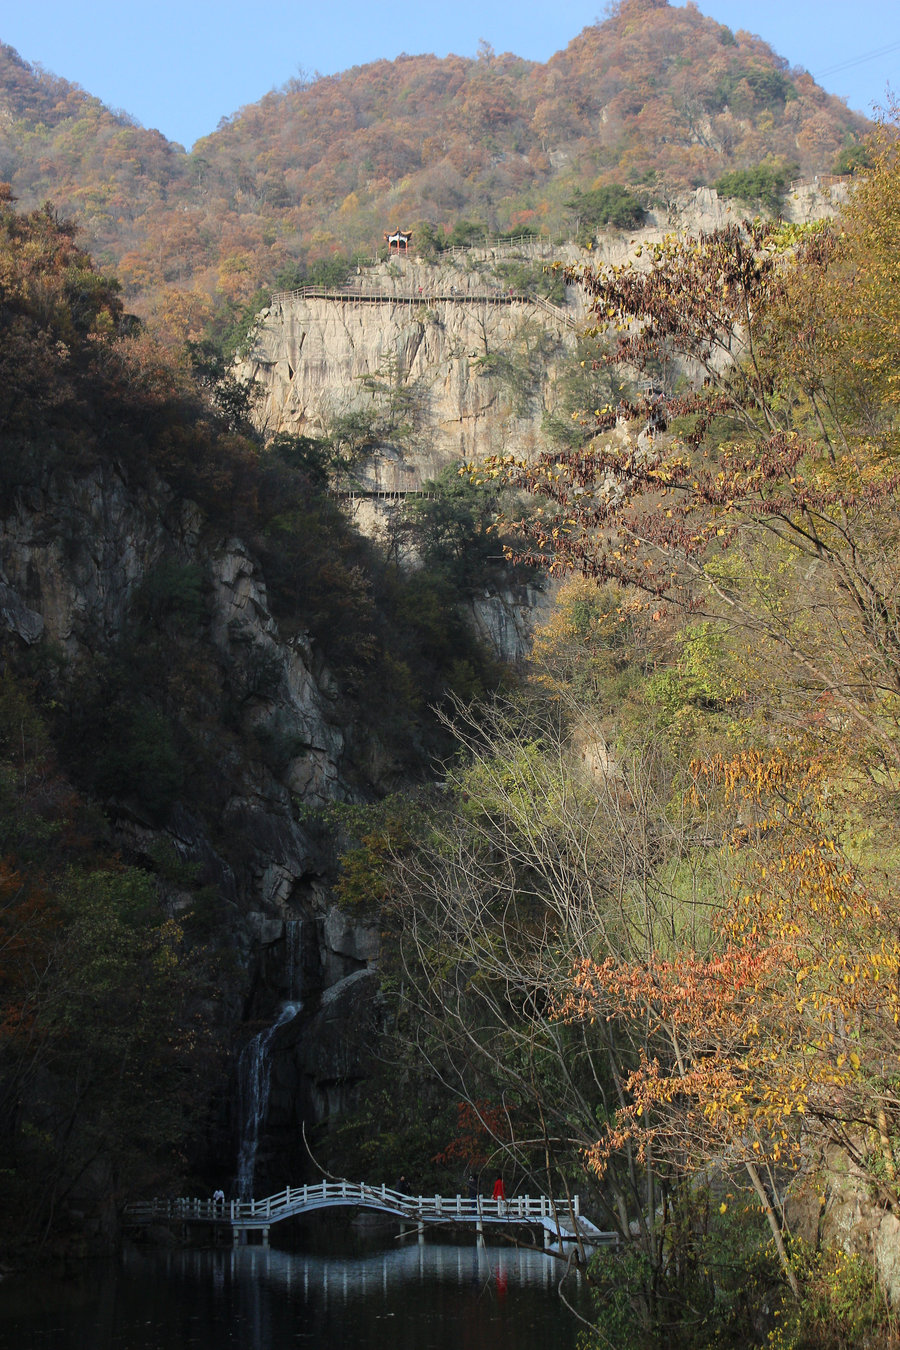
622	922
657	98
196	650
651	926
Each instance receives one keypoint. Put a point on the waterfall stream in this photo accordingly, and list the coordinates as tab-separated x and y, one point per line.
293	935
254	1082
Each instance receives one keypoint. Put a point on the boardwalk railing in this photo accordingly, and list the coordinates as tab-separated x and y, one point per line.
560	1215
555	311
823	182
360	296
395	495
370	295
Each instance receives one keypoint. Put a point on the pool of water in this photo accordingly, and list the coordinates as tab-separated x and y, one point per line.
404	1296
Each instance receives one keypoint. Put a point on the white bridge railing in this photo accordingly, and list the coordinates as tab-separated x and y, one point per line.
540	1209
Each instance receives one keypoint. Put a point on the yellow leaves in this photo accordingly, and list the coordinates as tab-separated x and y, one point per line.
764	1030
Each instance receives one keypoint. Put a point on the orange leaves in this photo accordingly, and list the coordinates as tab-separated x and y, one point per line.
480	1125
699	996
779	1035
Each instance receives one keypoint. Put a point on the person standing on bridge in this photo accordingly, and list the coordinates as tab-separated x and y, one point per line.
219	1199
500	1195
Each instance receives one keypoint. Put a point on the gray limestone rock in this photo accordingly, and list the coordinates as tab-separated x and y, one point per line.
17	617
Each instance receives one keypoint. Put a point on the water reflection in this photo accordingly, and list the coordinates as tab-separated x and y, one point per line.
424	1297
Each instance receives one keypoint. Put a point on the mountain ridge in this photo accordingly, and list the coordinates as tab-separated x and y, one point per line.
658	98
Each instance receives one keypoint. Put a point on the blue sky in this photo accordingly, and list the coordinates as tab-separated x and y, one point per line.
181	65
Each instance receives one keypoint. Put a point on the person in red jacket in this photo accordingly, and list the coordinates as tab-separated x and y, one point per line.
499	1192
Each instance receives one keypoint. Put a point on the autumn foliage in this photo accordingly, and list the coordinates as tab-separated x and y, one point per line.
482	1128
779	1038
656	97
728	644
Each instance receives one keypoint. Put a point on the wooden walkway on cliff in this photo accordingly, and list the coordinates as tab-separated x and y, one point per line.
561	1220
360	295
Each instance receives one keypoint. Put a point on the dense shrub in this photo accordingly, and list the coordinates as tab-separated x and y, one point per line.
611	205
763	185
852	158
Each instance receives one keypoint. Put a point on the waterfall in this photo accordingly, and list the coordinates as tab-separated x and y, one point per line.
293	936
254	1082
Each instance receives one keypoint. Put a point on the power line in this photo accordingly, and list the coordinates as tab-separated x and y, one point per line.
858	60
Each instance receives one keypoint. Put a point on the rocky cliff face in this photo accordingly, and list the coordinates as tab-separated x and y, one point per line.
446	361
428	369
90	563
74	554
837	1207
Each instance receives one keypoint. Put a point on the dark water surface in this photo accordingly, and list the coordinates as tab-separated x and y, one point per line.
402	1297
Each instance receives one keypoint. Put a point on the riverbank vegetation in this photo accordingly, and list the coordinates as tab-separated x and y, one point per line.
649	935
